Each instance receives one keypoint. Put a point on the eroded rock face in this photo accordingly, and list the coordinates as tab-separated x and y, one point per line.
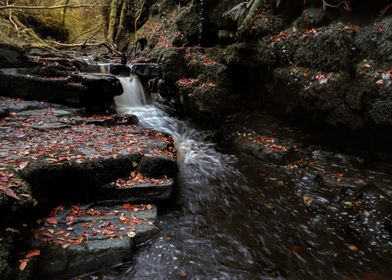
42	76
307	58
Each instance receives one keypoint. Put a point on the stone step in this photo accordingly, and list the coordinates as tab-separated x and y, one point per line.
80	239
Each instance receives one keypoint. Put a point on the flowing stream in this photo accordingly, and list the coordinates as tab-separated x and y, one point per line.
233	217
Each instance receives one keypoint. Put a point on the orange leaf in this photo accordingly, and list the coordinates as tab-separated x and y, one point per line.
77	240
23	264
33	254
128	206
46	234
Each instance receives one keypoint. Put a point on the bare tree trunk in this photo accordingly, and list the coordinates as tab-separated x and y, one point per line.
121	24
65	11
113	20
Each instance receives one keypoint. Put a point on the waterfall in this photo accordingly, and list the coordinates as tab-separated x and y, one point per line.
133	95
198	159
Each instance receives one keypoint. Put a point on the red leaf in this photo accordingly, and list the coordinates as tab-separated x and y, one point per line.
9	192
33	254
51	221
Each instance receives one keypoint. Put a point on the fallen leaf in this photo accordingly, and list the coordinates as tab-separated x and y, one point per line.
33	254
77	240
70	220
9	192
46	234
353	248
23	264
51	221
9	229
65	246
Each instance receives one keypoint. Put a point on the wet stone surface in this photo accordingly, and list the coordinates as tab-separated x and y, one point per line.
53	147
52	154
336	189
79	239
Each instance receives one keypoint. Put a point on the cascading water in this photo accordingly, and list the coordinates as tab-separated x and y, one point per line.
223	226
197	158
204	175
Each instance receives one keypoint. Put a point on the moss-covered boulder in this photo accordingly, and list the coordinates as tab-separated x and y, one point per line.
172	63
310	89
189	23
375	41
327	48
259	21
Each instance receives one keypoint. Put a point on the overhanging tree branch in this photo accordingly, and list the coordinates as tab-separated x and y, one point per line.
15	7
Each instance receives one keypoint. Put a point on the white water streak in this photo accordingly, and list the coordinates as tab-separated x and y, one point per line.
199	161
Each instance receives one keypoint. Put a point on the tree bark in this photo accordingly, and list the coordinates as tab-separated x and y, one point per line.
113	20
121	24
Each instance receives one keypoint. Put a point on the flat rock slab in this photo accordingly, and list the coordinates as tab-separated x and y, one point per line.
80	239
137	189
63	156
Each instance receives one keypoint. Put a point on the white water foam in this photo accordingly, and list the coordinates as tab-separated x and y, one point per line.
199	161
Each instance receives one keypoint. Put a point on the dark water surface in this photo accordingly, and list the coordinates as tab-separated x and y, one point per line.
235	217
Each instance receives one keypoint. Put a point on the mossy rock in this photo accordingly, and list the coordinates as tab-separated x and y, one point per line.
259	25
380	112
327	48
189	23
172	64
310	89
6	271
343	116
372	81
237	53
315	17
375	41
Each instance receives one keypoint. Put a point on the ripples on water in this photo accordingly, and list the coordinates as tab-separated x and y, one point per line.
234	219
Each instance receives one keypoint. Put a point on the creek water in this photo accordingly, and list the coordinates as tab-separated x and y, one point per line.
234	217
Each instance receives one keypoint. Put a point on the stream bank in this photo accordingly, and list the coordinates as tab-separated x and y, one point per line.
78	181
